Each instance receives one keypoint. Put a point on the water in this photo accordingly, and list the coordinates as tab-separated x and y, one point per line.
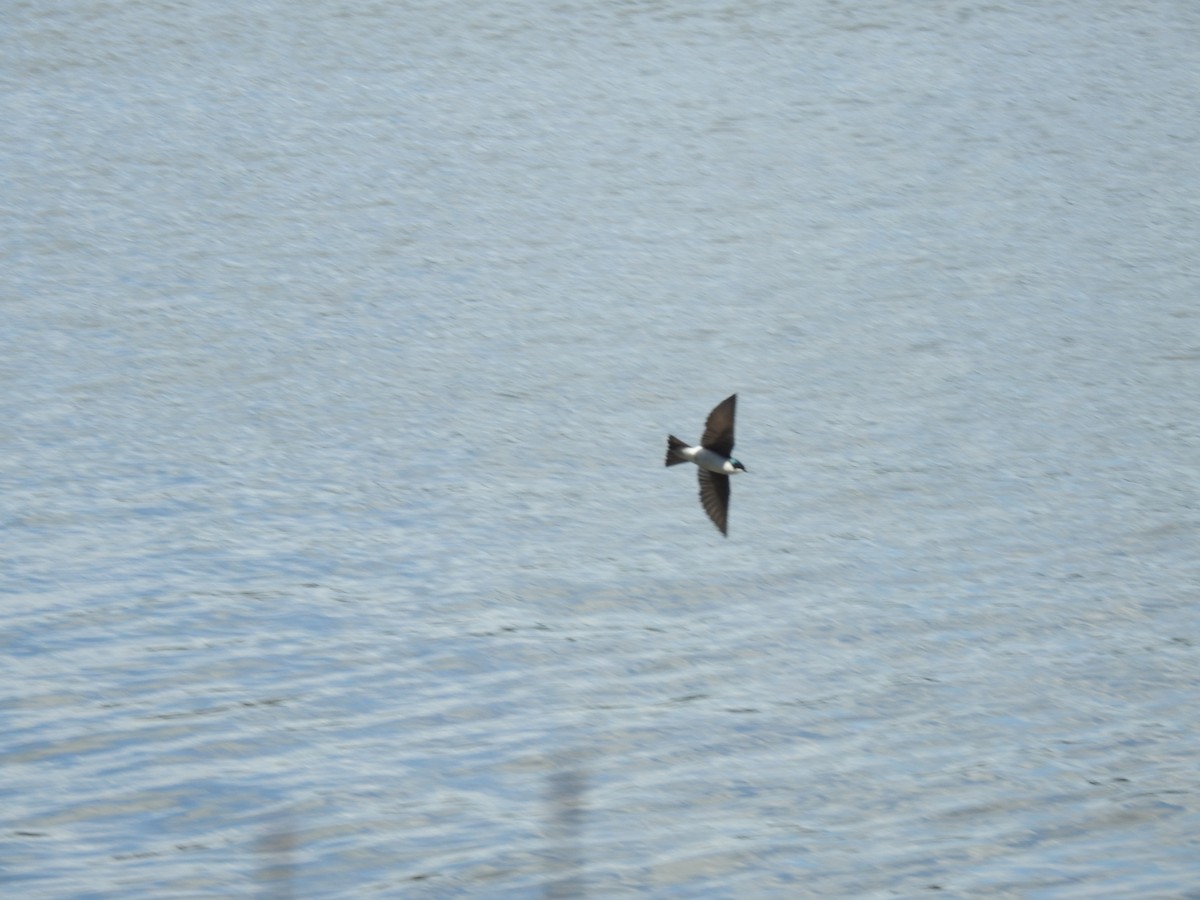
340	343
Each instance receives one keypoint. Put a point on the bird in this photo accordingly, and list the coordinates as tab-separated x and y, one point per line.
712	457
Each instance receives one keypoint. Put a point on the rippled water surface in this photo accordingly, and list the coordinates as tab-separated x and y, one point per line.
338	347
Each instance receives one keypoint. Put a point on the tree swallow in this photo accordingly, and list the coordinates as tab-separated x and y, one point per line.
713	459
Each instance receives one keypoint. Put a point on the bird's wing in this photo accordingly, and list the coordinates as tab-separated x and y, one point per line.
714	495
718	430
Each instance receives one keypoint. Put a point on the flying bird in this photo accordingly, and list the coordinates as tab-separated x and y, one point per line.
713	458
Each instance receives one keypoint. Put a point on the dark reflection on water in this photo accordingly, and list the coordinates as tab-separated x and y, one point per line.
566	803
277	873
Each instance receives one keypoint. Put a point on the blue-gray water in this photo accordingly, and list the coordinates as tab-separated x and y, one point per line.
339	342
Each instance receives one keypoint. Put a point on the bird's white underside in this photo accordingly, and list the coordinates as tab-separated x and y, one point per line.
707	459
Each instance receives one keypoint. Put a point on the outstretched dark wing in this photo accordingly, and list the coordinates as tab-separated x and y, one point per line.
718	430
714	495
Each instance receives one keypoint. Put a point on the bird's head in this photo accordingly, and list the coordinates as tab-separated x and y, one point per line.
737	465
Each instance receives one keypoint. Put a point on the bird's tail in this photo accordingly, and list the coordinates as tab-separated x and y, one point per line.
674	445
